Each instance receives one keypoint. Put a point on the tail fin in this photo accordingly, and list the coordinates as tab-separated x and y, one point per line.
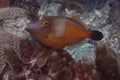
96	35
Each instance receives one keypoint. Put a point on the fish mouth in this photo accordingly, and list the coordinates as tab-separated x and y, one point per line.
28	27
32	28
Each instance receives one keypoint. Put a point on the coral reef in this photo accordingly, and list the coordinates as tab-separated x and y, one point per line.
11	12
23	58
106	20
61	8
57	66
114	17
106	63
31	6
13	21
29	55
14	62
49	10
63	65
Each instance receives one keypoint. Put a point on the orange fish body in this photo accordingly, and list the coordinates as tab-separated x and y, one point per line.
57	32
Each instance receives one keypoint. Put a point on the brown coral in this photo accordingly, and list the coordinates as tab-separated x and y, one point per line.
58	64
13	61
28	50
63	67
106	63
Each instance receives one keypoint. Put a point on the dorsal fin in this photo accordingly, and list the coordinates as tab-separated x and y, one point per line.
79	20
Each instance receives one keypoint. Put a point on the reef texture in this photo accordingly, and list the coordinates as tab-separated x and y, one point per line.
23	58
105	18
87	61
107	63
9	27
20	48
52	64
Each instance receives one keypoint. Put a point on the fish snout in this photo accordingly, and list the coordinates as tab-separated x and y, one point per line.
29	27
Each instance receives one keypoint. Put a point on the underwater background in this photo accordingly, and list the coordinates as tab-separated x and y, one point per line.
23	58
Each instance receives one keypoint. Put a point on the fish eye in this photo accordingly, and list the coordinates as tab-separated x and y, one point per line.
45	23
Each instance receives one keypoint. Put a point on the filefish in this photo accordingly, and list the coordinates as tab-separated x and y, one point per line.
58	32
